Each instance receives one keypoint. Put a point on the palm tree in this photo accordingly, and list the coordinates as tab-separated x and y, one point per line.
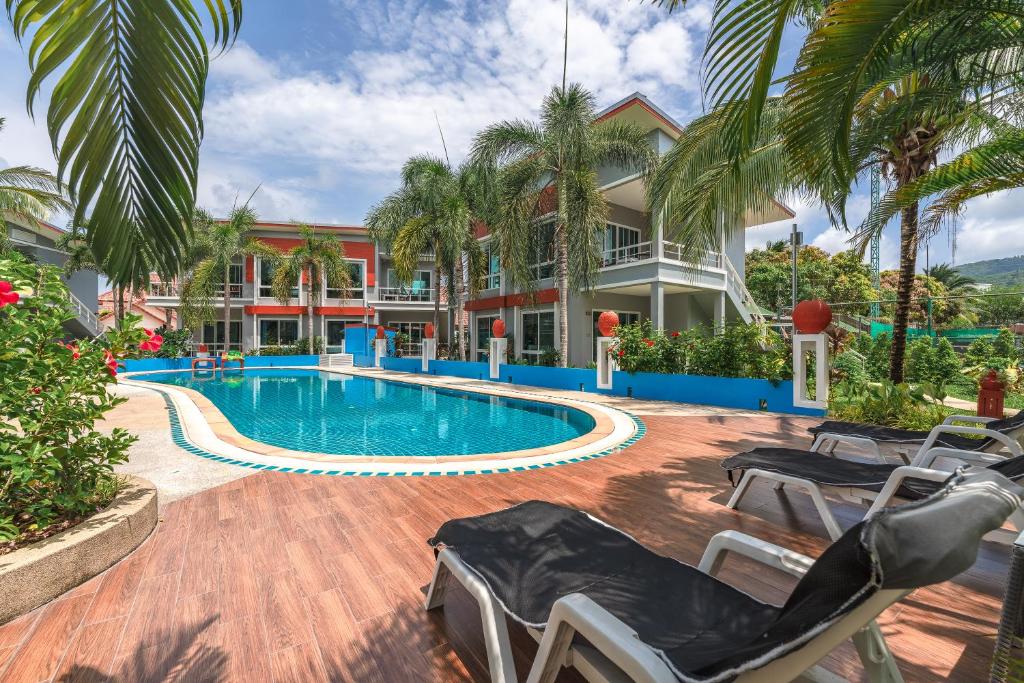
214	248
125	112
30	193
950	277
553	165
318	259
437	207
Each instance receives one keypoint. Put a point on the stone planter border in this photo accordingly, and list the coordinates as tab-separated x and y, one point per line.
34	575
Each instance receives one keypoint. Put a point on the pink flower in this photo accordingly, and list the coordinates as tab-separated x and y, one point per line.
6	295
154	342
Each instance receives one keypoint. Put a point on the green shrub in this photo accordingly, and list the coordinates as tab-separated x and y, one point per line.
849	366
979	352
878	357
277	351
54	466
549	357
302	347
885	403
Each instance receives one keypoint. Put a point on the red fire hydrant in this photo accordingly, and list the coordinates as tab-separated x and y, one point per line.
991	394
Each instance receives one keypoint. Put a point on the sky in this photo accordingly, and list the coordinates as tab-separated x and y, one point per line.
320	102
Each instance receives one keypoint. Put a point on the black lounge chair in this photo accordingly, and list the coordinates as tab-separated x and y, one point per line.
870	483
880	441
601	602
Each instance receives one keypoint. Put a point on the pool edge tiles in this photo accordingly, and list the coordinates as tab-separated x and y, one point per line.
191	431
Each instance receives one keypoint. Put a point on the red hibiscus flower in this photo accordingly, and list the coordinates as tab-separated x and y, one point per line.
75	354
6	295
675	334
649	342
36	390
111	362
621	353
154	342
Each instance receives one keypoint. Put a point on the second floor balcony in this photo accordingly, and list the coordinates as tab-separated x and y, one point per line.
645	251
410	294
172	290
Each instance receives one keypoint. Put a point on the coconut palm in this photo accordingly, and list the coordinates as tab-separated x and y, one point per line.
551	167
214	247
125	111
437	208
317	260
951	278
30	193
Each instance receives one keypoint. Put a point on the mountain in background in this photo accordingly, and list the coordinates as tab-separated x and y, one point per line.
1000	271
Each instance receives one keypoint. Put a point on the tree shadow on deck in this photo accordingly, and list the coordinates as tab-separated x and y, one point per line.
176	656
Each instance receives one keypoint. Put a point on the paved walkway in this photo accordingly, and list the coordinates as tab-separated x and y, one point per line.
284	577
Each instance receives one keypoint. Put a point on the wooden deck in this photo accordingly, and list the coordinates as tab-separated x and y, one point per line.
302	578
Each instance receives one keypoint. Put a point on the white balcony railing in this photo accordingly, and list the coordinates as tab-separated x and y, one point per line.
412	294
674	251
738	289
641	251
411	349
172	290
85	315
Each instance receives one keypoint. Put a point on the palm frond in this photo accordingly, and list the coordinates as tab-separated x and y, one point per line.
125	113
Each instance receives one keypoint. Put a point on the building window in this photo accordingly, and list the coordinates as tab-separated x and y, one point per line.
420	289
543	265
278	332
335	333
624	319
483	335
413	342
267	280
213	336
493	279
538	334
356	270
622	245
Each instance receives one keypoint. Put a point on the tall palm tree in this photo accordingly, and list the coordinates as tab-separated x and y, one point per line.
554	165
125	111
30	193
437	207
214	247
317	260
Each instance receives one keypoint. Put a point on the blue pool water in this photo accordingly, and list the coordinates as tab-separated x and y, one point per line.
321	412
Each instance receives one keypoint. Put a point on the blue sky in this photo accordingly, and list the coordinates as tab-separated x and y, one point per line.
320	101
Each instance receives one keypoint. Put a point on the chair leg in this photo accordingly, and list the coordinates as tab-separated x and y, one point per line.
879	664
745	481
492	616
824	511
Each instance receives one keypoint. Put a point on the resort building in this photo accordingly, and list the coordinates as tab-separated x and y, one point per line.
642	274
137	303
258	320
38	241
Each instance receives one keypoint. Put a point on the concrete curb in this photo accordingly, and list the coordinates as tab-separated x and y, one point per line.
34	575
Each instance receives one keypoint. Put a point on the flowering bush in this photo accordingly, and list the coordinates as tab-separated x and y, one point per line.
55	468
739	351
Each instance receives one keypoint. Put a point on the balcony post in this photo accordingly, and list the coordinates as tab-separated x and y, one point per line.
658	305
659	236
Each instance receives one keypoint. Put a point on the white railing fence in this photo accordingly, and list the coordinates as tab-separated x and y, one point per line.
674	251
632	253
172	290
85	315
405	294
739	290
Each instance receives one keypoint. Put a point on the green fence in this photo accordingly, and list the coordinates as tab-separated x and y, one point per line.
957	335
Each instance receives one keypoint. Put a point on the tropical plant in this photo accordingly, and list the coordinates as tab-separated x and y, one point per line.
125	113
317	260
55	467
551	168
843	277
885	403
214	247
437	208
951	278
30	193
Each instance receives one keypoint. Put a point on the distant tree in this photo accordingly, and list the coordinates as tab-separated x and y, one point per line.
951	277
835	279
1001	305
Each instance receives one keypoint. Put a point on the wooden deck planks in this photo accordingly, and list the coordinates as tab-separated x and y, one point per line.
292	578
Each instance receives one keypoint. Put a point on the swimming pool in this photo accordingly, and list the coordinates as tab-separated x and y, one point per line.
338	414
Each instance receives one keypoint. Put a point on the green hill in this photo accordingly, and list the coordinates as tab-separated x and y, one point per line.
1000	271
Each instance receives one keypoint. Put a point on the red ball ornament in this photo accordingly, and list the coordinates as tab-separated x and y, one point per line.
811	317
380	332
607	322
428	330
498	328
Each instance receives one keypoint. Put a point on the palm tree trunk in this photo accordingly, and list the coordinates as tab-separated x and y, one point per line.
905	289
227	308
118	307
437	295
456	289
562	256
309	307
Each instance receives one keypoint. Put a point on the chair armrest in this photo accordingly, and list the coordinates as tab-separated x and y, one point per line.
824	437
967	418
966	457
896	479
576	613
755	549
933	436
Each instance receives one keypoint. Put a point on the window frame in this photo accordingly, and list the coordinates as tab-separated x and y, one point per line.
356	292
269	293
259	331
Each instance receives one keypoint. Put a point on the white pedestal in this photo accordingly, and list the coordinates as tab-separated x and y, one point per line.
606	365
429	354
380	350
818	344
497	356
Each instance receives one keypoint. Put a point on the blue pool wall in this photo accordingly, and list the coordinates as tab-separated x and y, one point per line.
164	364
724	392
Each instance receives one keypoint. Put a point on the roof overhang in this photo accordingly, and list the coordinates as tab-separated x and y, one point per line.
636	108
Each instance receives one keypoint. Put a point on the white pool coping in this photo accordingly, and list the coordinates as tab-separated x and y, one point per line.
197	432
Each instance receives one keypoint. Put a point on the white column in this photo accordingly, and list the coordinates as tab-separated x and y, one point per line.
499	350
658	305
658	236
380	350
720	312
429	354
606	365
818	344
